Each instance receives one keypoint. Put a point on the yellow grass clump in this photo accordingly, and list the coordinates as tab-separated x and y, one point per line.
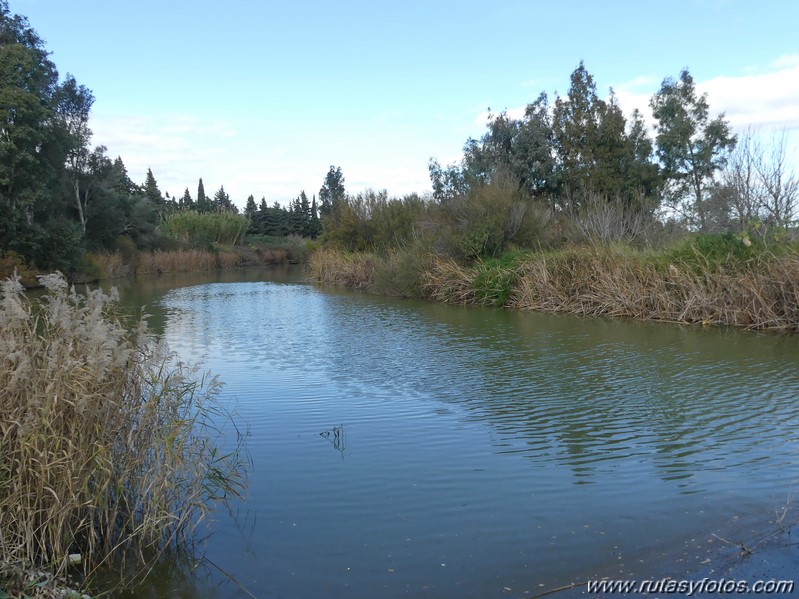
336	267
185	261
112	265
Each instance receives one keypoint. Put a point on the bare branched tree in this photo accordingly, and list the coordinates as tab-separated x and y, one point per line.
780	185
758	184
605	221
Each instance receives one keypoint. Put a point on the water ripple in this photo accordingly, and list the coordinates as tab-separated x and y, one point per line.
483	422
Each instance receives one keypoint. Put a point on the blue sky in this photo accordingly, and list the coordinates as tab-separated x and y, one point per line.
262	97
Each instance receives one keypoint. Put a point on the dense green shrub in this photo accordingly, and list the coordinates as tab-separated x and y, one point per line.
714	251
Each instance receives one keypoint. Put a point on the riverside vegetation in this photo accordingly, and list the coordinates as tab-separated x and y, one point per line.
723	278
571	208
109	447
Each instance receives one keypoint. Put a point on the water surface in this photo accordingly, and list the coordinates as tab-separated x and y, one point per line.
403	448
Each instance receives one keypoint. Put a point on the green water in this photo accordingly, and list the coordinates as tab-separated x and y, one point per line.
403	448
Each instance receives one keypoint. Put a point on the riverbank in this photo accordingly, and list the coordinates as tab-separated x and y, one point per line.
122	264
727	283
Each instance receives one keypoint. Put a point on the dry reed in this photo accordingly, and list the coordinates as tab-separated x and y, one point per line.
108	446
112	265
347	269
185	261
605	282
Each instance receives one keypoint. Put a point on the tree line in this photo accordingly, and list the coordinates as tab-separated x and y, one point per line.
61	196
581	149
576	156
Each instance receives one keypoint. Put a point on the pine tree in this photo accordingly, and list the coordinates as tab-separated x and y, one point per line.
222	201
186	203
250	209
151	189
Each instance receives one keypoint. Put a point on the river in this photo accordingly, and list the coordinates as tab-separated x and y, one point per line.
403	448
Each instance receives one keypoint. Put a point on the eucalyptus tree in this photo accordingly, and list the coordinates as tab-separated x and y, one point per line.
533	159
691	146
575	124
73	107
448	182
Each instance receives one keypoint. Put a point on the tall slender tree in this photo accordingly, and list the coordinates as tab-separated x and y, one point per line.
250	209
73	105
186	202
152	192
203	204
691	146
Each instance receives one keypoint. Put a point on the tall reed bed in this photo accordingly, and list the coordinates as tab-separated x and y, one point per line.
217	227
112	265
184	261
109	447
762	293
336	267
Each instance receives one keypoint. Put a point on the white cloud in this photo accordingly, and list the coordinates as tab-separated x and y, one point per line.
766	98
176	147
787	61
769	99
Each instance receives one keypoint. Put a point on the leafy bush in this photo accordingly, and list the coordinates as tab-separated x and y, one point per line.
490	218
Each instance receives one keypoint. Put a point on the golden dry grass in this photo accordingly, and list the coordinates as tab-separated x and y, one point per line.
112	265
185	261
336	267
763	296
619	282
